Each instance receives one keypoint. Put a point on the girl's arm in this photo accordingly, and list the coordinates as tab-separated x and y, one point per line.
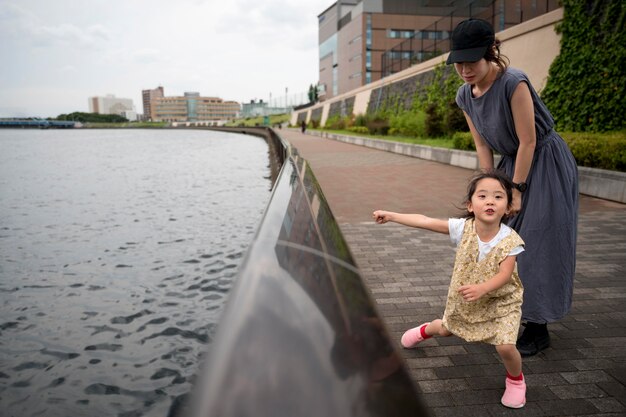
524	118
475	291
483	151
412	220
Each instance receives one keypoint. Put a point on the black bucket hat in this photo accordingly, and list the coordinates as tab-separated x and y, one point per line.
470	41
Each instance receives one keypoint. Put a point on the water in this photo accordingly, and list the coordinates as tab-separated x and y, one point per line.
117	250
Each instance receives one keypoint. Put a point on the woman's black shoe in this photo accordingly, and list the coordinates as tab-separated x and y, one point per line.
534	339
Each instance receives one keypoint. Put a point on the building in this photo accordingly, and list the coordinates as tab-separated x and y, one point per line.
147	96
261	108
361	41
112	105
192	108
254	108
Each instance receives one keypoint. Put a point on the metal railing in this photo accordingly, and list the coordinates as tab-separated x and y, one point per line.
434	40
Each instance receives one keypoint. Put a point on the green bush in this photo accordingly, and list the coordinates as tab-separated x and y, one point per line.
592	150
335	123
361	120
359	129
378	125
463	141
434	121
595	150
408	123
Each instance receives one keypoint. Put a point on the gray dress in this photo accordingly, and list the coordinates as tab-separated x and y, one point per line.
548	218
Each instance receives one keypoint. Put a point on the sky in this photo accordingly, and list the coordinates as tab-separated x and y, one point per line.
55	54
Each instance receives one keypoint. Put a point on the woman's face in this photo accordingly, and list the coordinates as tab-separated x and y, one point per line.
473	72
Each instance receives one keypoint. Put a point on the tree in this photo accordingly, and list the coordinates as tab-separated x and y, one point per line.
312	94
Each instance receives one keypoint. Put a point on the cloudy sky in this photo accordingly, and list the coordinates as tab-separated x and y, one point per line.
57	53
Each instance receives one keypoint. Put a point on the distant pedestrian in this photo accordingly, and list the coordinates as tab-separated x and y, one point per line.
303	126
485	295
505	114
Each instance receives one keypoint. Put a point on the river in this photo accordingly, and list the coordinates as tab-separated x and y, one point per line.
117	252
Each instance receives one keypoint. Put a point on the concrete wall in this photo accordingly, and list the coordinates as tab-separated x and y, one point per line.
530	46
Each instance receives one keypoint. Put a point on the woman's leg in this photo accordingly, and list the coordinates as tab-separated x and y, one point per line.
534	339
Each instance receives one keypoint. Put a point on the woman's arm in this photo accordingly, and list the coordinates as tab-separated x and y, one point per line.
483	151
412	220
475	291
524	118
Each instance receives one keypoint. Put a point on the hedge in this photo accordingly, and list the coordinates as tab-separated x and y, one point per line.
592	150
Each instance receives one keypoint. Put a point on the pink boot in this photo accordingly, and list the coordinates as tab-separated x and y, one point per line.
515	393
412	337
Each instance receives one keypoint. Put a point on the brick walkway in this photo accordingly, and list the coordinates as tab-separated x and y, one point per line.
408	270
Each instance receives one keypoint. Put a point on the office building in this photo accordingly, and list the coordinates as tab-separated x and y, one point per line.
147	96
191	108
361	41
111	105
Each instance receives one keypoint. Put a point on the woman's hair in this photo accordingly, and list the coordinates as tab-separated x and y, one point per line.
496	174
493	55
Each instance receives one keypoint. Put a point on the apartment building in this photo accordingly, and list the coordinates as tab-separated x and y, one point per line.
149	95
361	41
191	108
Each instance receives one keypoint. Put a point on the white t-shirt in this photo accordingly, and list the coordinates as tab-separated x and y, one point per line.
455	226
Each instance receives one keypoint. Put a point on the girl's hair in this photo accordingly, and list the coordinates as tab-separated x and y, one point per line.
493	55
496	174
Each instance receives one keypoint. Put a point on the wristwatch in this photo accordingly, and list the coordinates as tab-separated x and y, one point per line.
522	186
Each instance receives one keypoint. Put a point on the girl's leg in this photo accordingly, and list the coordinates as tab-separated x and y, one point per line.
413	336
515	393
436	328
511	358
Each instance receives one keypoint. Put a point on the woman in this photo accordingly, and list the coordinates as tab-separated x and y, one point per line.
506	115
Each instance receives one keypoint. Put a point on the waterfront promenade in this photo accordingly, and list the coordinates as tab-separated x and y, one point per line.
408	270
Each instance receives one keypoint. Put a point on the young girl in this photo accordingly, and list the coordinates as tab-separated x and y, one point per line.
485	295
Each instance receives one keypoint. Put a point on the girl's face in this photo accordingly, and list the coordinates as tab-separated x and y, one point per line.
473	72
489	202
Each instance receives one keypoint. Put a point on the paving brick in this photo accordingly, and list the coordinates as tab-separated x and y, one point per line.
473	396
538	367
569	407
567	392
608	405
585	377
445	385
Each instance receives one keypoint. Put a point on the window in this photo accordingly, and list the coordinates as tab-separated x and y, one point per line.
400	33
432	35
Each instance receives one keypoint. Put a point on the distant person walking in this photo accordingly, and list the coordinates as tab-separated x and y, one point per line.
485	295
303	126
505	114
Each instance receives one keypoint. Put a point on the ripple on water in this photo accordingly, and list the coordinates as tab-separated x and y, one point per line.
107	307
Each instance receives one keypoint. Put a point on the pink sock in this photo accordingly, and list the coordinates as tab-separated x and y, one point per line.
423	332
520	377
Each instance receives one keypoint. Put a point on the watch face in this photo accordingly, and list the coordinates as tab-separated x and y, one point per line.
522	186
